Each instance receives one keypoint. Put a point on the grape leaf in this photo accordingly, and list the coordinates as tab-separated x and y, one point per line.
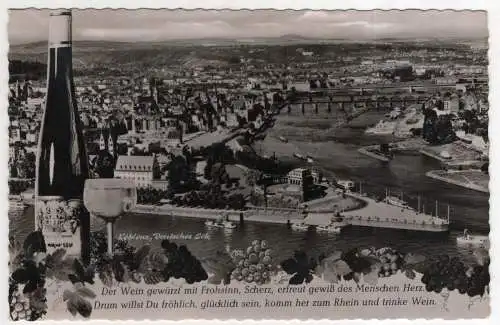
290	266
332	270
68	294
126	274
81	273
215	279
85	292
78	268
82	306
118	270
372	277
37	300
106	277
219	267
411	258
410	274
58	269
73	278
296	279
20	276
336	255
482	256
55	258
158	260
72	307
34	243
140	255
30	287
15	253
341	267
39	258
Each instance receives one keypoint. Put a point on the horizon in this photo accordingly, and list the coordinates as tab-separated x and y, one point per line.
27	26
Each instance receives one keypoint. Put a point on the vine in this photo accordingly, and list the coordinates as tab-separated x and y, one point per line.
33	271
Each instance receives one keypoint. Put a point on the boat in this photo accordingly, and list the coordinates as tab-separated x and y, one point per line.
220	224
339	222
392	200
300	226
310	160
346	184
298	155
396	201
228	225
283	139
16	205
473	240
329	228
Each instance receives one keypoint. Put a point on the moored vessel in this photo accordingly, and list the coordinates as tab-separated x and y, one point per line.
331	228
473	240
226	224
300	226
16	205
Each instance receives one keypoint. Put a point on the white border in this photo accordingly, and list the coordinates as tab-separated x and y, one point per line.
493	7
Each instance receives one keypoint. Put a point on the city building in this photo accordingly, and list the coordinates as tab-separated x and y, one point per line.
298	176
137	168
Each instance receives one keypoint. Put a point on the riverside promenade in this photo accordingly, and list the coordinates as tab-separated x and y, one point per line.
254	214
379	214
319	211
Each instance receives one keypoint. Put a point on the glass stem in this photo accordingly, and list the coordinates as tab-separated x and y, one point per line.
110	227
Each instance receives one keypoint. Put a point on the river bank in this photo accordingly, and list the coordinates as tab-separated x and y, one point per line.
328	205
470	179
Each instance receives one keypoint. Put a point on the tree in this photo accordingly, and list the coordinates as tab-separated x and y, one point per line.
253	177
105	164
178	172
236	201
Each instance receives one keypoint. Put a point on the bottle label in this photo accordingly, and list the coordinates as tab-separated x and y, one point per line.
59	221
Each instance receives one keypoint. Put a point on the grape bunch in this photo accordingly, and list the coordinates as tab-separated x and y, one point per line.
98	246
254	265
478	280
180	263
451	273
20	306
384	261
391	261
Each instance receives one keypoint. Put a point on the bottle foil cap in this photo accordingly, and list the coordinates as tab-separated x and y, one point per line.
60	29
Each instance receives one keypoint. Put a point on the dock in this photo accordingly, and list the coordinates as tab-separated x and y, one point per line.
368	151
382	215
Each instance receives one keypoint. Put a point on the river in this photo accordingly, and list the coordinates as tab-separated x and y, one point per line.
335	152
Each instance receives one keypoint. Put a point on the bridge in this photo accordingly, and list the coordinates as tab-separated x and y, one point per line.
356	105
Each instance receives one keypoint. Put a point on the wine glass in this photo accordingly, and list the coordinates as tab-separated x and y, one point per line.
108	199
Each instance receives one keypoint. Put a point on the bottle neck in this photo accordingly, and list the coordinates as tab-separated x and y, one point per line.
60	30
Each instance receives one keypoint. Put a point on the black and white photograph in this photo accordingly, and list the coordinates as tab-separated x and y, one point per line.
236	164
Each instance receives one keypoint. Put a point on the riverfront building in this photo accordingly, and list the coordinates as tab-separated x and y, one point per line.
137	168
299	176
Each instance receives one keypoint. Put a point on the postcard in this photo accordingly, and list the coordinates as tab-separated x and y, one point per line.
234	164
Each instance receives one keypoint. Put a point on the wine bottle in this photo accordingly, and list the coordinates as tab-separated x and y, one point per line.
62	162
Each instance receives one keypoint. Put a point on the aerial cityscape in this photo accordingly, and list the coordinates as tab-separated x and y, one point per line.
304	140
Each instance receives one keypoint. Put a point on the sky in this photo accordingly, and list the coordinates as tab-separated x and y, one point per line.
31	25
